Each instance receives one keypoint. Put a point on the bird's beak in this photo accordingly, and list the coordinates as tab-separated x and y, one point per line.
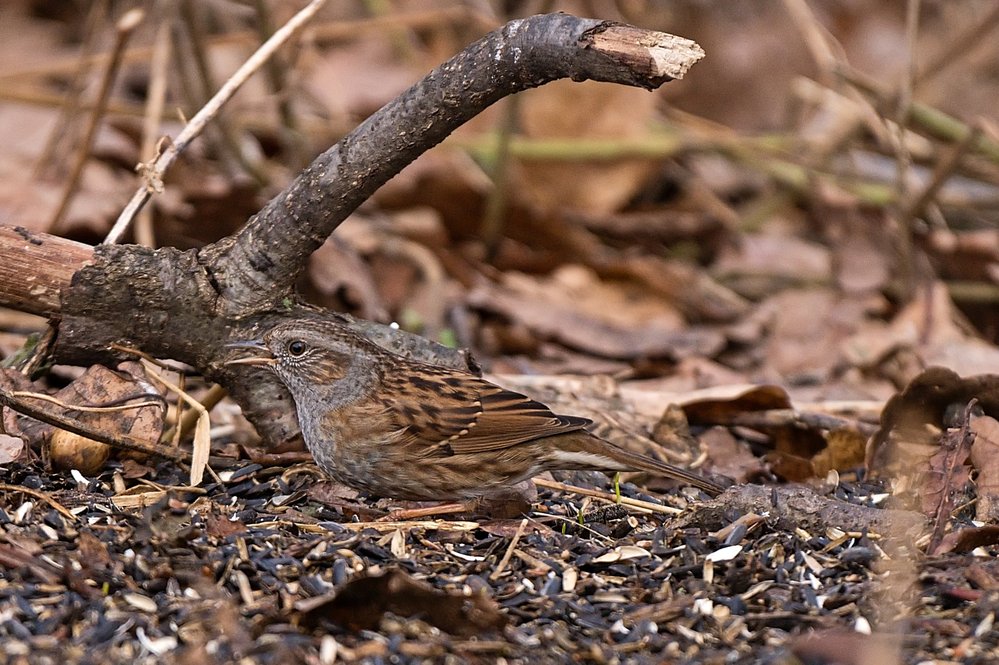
264	357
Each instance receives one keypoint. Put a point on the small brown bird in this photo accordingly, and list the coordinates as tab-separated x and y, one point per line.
403	429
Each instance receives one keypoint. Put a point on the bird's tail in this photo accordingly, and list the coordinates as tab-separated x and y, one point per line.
596	453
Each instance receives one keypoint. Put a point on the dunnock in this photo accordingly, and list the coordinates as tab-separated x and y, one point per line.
402	429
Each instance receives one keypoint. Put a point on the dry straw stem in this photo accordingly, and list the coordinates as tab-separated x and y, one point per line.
197	124
501	566
608	497
123	30
71	100
41	496
202	445
89	409
155	100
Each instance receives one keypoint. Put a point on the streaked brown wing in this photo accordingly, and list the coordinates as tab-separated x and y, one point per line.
471	415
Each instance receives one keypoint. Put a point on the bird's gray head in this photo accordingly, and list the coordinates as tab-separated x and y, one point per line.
314	360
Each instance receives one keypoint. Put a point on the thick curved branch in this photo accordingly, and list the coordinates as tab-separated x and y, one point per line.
268	253
187	304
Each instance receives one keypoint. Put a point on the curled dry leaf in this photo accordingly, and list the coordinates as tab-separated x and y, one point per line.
610	319
11	448
985	458
112	392
913	419
361	603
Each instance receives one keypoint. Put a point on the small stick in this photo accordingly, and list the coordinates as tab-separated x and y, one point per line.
202	84
509	551
126	26
151	122
293	140
158	403
208	111
71	102
119	441
946	167
61	509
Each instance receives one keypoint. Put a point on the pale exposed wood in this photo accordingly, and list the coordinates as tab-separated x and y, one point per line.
36	267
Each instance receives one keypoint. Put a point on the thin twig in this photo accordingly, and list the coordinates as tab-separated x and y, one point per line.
209	111
493	220
61	509
509	551
87	409
123	30
71	101
906	272
228	143
155	99
277	77
119	441
945	168
960	46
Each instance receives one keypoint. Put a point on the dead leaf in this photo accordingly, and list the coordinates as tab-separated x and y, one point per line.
913	419
132	469
94	554
968	539
947	476
341	277
731	457
566	109
101	386
98	386
11	448
761	262
717	405
220	526
808	327
611	319
360	604
985	458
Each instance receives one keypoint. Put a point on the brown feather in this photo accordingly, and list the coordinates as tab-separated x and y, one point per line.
471	415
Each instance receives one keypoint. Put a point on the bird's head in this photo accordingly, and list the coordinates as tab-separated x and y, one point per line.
308	356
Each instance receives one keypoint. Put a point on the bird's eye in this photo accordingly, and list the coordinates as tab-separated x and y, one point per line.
297	347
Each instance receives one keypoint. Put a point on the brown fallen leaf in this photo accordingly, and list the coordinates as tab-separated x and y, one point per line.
98	386
913	419
965	540
612	319
218	525
361	603
11	448
947	477
579	111
985	458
